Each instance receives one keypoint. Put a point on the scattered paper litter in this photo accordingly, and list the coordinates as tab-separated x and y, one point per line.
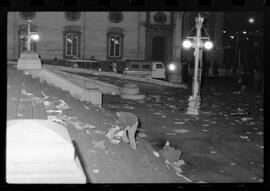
142	135
98	132
112	131
55	119
119	134
26	93
170	133
156	153
245	119
205	130
100	145
128	107
88	126
86	107
63	105
52	117
260	133
179	123
77	124
95	170
233	163
54	111
47	103
213	152
181	131
243	137
115	141
177	167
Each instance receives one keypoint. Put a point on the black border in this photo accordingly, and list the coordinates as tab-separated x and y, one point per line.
130	5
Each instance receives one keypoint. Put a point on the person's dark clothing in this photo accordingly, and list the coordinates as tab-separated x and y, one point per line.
127	119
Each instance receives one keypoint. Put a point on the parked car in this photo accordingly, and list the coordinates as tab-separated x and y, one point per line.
152	69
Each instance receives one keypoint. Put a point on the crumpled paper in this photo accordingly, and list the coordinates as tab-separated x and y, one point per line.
112	131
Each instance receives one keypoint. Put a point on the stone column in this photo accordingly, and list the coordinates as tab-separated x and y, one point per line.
176	76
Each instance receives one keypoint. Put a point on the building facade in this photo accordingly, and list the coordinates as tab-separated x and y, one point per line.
107	36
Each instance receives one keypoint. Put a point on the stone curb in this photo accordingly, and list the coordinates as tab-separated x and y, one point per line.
93	96
122	76
85	82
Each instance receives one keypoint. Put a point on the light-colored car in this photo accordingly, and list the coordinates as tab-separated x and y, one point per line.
152	69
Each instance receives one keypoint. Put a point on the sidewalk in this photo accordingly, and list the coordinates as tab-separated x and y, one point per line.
117	75
102	161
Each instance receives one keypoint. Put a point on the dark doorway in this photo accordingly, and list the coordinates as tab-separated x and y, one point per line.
158	48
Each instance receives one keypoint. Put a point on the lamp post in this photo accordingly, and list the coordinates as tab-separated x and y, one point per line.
197	42
30	35
29	59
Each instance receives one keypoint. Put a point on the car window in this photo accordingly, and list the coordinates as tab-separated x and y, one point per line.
159	66
146	66
134	66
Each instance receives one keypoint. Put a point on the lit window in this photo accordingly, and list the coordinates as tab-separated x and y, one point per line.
115	43
71	45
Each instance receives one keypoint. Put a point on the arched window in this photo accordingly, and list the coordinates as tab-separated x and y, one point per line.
160	18
72	45
72	41
115	39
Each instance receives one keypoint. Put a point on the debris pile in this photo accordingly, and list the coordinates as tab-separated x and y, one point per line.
172	159
114	134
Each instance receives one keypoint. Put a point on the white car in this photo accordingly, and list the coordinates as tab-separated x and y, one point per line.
152	69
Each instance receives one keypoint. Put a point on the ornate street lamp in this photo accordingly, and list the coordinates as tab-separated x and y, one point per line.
30	35
198	43
29	59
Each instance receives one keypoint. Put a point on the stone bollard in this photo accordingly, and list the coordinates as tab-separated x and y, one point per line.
131	91
40	151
